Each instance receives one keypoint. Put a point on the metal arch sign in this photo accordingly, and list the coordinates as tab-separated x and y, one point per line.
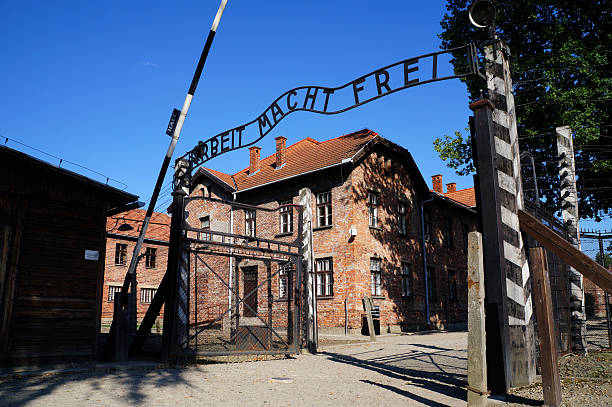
324	100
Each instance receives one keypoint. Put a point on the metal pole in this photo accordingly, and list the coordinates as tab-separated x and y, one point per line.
164	167
166	162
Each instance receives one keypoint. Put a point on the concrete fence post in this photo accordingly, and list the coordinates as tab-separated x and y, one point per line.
477	348
305	200
569	202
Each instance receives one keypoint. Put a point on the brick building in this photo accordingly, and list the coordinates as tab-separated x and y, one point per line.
122	231
367	195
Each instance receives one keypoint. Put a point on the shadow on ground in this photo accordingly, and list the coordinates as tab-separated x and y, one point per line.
432	369
126	385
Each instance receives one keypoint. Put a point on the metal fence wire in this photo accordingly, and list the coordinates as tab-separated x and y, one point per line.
558	272
598	246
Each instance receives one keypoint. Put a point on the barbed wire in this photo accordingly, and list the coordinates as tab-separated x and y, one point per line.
62	160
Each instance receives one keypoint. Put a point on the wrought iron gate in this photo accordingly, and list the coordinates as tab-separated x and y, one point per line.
245	277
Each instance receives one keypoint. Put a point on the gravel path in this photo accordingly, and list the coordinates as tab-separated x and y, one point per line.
418	369
406	370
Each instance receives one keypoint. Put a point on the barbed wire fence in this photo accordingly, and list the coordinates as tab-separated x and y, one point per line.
598	246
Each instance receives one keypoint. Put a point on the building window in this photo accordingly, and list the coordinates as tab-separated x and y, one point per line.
146	295
427	225
402	228
286	217
373	209
452	285
431	282
376	277
204	225
406	280
325	277
324	209
120	253
150	257
283	274
112	291
249	223
447	232
465	230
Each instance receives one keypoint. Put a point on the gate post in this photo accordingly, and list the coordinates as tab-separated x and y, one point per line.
176	311
569	198
305	200
508	174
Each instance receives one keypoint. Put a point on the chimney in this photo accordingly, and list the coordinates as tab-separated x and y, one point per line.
436	181
254	159
451	187
280	151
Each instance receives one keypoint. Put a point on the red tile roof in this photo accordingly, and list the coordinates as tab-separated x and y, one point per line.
305	156
159	226
465	196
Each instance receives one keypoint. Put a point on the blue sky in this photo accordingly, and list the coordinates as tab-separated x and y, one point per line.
95	82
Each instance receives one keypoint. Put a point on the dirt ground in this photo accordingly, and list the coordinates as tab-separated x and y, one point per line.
407	370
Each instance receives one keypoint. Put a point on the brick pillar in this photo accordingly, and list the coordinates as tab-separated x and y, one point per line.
518	276
569	197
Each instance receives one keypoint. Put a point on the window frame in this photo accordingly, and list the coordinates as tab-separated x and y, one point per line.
286	217
112	292
283	280
373	203
324	202
447	232
376	277
406	276
324	279
250	222
120	254
150	254
402	218
427	227
151	293
201	234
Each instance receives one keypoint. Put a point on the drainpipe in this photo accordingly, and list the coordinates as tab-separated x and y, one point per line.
424	248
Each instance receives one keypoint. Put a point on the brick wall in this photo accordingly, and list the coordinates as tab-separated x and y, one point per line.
146	277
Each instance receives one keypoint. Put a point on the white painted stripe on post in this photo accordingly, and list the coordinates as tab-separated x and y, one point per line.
510	219
513	254
525	273
515	292
500	117
528	309
503	148
512	321
215	23
506	182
